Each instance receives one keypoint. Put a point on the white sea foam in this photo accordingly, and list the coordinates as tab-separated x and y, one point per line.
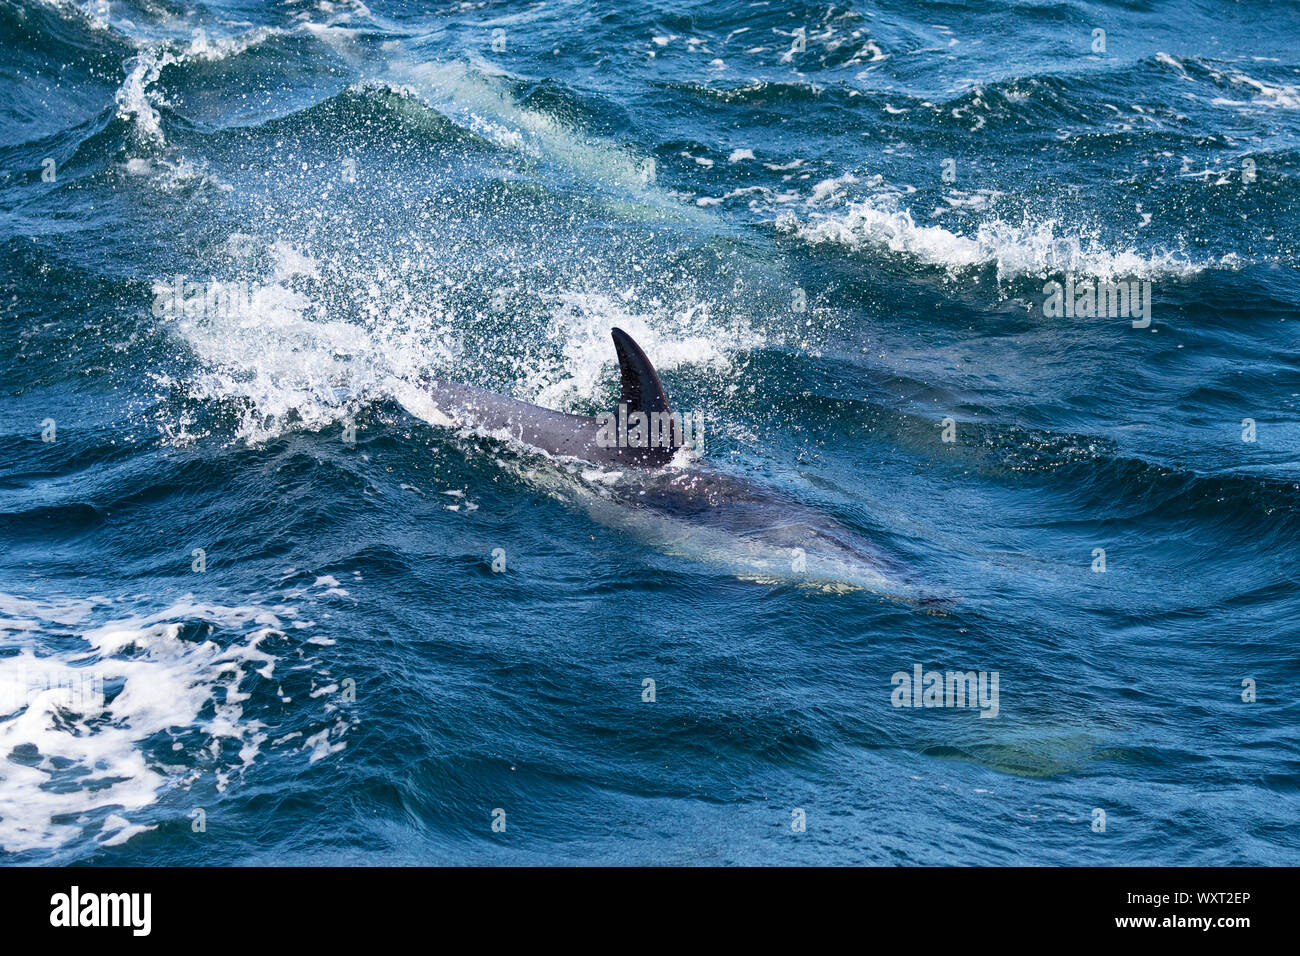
95	13
283	357
287	360
880	220
74	763
133	98
1173	62
137	98
673	335
1269	96
117	830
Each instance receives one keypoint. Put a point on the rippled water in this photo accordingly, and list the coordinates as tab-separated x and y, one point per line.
254	610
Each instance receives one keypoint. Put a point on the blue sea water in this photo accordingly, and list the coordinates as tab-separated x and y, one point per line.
253	610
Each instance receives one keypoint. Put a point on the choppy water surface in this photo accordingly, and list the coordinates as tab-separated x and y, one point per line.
239	577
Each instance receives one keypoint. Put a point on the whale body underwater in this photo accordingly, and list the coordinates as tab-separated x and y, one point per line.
651	486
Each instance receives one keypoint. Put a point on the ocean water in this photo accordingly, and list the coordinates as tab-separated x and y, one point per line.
257	606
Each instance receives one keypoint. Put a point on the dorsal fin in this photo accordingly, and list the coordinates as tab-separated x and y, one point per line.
642	390
654	440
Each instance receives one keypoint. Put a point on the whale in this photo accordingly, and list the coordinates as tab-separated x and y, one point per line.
639	470
644	432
